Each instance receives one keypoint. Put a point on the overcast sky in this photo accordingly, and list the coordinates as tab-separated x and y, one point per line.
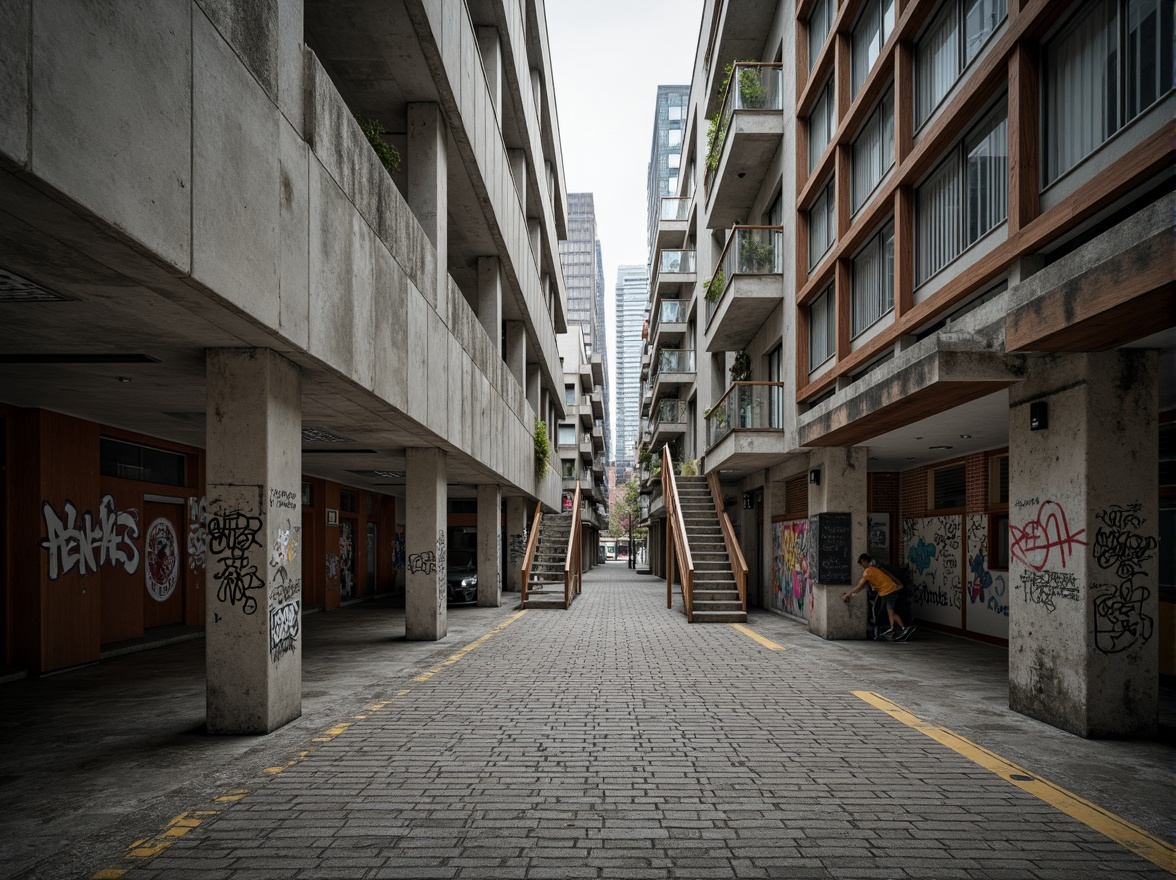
608	57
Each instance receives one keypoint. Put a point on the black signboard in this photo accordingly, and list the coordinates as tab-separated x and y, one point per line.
830	541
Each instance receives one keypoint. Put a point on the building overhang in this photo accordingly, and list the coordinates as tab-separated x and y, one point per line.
737	35
1116	290
742	452
742	310
753	137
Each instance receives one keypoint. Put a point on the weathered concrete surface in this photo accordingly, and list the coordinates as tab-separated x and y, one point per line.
842	490
1083	561
254	589
425	539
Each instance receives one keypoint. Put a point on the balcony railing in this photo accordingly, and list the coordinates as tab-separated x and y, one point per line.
675	360
674	209
751	87
746	406
673	311
750	250
676	411
676	263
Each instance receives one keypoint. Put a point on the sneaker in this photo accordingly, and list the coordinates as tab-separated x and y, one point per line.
906	633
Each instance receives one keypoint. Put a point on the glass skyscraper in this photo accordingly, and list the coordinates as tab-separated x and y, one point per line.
666	154
632	300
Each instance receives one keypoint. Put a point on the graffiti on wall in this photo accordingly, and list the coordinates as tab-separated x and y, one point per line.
790	570
397	551
1122	550
285	621
517	545
442	585
878	534
163	559
89	542
346	559
987	589
422	563
1045	588
933	554
1046	540
197	532
231	537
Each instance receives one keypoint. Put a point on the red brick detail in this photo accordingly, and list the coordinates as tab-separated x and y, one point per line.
977	482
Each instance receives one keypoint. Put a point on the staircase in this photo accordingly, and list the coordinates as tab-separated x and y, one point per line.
716	595
545	585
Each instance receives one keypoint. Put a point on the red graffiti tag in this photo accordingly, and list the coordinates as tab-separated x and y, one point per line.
1036	542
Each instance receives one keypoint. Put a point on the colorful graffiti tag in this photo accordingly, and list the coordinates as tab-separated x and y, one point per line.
790	571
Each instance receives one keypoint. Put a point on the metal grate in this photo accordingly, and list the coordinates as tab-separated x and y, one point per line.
322	435
16	289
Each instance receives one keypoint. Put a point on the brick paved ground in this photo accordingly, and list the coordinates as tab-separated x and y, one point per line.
616	740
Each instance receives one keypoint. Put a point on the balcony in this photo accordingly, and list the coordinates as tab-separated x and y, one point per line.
670	321
748	134
585	409
673	368
744	430
596	361
598	464
675	270
598	438
597	404
673	222
746	289
671	420
586	444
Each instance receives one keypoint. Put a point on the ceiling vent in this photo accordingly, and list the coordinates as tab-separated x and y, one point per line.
322	435
15	289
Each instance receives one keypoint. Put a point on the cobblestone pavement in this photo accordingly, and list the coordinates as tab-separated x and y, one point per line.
615	740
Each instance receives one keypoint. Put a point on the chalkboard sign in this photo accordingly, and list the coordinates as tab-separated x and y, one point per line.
830	542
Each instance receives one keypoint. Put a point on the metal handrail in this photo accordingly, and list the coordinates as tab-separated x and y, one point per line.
680	546
573	581
532	543
725	117
734	553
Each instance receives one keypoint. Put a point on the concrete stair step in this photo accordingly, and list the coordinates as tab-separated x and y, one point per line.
719	616
715	595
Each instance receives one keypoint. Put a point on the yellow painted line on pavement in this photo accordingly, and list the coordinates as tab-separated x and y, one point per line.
153	846
1134	838
767	643
425	676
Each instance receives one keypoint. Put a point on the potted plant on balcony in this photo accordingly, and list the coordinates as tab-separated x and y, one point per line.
752	94
756	256
714	287
741	368
542	450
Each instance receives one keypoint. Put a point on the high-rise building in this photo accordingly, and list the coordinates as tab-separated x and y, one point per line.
603	349
925	264
632	299
665	156
578	254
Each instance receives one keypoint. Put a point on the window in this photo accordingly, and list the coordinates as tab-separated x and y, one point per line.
948	487
943	51
1110	63
134	462
675	112
822	328
998	479
818	28
675	137
965	197
570	395
873	151
674	160
873	280
869	36
567	468
822	223
347	501
821	124
776	394
567	435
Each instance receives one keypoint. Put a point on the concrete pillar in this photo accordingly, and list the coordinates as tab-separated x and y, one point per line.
425	610
489	546
490	299
428	186
490	46
253	603
1083	543
516	351
518	170
841	489
516	541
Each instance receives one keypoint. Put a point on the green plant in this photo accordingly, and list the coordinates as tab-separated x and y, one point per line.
755	256
741	367
714	287
644	456
752	93
373	130
690	468
716	131
719	412
542	450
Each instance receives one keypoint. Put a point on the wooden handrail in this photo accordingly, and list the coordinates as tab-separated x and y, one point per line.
735	385
734	552
532	543
681	543
731	238
570	577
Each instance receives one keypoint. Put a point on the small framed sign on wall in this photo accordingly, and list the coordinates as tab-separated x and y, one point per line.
332	516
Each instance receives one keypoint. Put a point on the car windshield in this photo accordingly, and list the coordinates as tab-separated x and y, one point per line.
462	560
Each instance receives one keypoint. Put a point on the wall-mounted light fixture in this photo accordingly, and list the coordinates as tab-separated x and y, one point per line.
1038	415
815	477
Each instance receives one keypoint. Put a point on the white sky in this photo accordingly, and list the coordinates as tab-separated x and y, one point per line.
608	57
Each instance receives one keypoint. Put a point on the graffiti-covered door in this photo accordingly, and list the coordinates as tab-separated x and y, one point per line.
372	546
163	564
347	530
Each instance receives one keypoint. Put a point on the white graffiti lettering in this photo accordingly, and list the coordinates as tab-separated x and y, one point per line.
88	544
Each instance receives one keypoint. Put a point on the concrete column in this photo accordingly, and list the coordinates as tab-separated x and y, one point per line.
490	46
489	546
428	187
516	351
253	643
516	541
518	170
842	489
425	611
490	299
1084	543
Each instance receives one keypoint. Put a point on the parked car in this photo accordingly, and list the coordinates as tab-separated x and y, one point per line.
461	576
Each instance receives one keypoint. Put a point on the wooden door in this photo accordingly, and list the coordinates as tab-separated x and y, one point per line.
163	564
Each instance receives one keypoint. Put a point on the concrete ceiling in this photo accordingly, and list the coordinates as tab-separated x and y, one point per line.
971	427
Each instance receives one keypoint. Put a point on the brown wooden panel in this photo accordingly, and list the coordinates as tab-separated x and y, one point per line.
71	601
122	591
26	562
1143	315
1024	161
